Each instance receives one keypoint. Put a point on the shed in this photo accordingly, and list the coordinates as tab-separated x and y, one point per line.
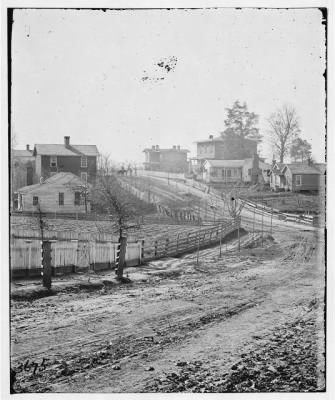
301	177
63	193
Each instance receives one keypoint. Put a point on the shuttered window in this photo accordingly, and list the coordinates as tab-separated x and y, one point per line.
77	198
61	199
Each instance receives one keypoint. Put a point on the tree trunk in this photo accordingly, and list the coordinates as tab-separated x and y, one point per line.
122	257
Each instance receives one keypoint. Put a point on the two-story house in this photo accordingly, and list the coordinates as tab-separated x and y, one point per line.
168	160
79	159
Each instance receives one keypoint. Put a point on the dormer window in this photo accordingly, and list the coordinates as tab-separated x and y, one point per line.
83	162
53	161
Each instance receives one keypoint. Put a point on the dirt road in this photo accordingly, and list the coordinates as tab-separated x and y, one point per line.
180	326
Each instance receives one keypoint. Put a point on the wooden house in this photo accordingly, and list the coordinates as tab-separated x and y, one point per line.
61	193
81	160
168	160
301	177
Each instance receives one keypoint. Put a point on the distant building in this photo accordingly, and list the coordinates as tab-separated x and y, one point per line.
78	159
62	193
250	170
226	147
301	177
168	160
296	177
22	168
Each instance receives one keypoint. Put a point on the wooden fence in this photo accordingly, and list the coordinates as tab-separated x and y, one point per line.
67	254
75	252
268	211
188	241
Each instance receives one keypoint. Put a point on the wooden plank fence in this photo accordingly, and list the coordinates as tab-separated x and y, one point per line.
188	241
77	252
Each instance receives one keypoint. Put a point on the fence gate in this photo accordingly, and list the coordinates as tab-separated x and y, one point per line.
83	254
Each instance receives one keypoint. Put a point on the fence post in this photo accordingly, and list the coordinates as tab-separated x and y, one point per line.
46	263
198	246
262	227
142	250
155	251
238	235
221	241
177	242
253	223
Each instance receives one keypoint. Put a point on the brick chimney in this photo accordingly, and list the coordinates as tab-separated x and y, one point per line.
157	147
174	147
211	136
27	147
66	141
178	147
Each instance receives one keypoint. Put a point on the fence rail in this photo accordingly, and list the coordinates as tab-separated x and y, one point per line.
268	211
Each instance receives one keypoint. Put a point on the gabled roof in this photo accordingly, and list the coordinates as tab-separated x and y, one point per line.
302	169
61	150
225	163
60	179
22	153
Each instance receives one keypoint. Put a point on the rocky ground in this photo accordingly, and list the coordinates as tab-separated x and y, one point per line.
244	322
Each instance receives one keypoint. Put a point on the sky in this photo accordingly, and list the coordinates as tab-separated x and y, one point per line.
95	75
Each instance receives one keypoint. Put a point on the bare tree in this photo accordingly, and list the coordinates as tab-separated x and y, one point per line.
111	199
283	129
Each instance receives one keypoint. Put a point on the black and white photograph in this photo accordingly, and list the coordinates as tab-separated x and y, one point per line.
166	177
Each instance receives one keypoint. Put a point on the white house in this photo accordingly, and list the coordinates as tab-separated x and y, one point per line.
62	193
233	171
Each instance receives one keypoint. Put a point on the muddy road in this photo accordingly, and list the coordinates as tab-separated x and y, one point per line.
182	326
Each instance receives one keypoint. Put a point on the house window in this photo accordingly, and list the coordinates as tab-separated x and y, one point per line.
77	198
83	177
61	199
223	173
229	172
53	161
298	180
83	162
35	200
249	171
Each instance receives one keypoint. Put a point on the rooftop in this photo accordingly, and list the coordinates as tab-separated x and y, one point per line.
302	169
59	179
62	150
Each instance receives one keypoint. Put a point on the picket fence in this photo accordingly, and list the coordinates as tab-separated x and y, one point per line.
74	253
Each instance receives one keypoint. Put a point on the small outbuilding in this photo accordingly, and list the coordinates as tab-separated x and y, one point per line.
301	177
62	193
